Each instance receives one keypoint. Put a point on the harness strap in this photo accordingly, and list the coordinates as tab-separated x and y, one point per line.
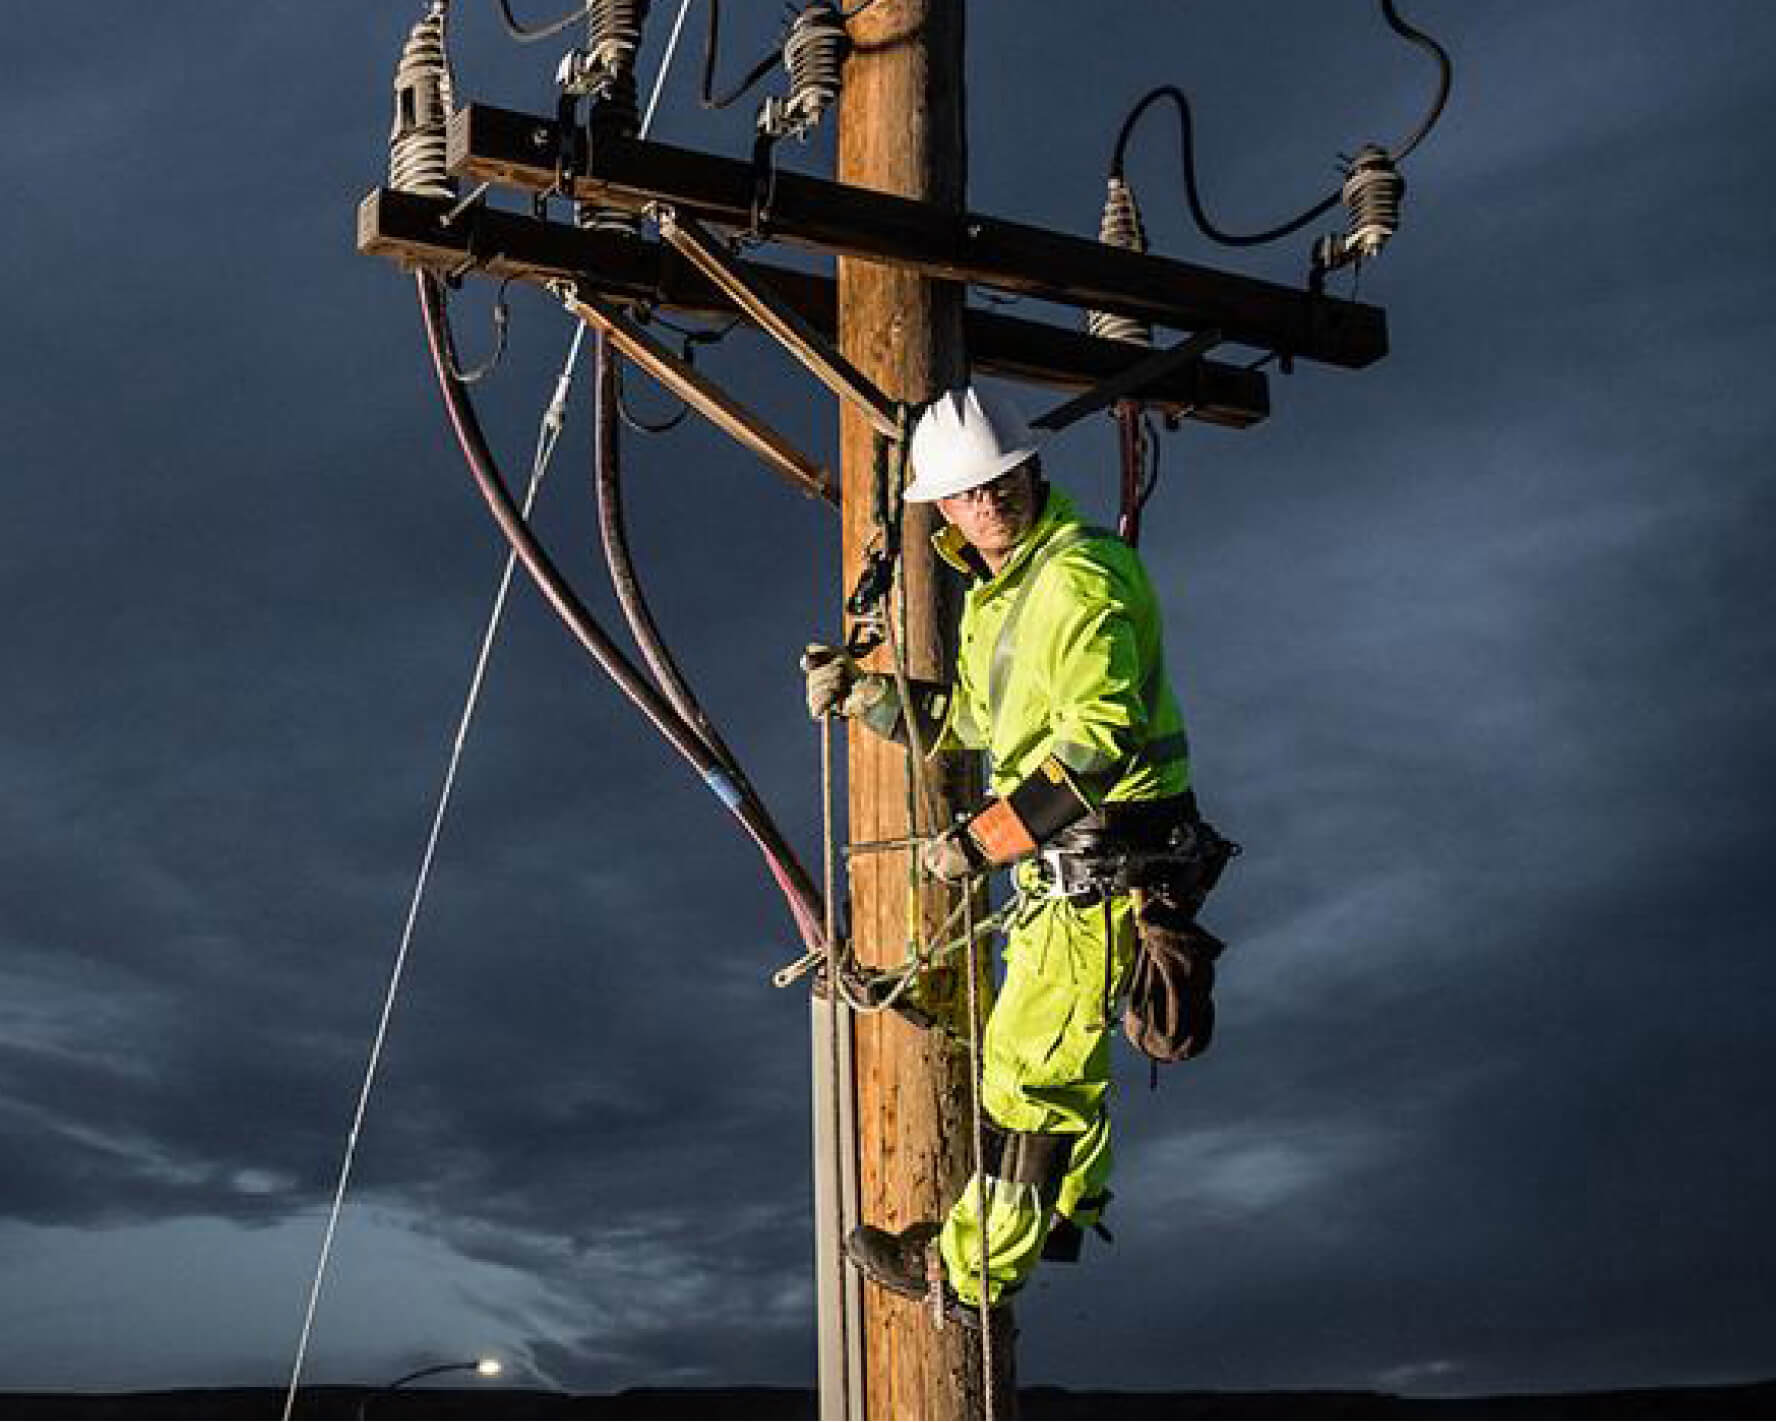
1176	746
1006	644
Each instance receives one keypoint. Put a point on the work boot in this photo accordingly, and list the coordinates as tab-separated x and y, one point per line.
900	1263
903	1264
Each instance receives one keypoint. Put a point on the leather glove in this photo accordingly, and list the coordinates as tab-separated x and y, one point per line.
953	856
831	675
837	685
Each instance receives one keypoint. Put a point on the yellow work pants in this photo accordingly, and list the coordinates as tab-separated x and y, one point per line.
1046	1062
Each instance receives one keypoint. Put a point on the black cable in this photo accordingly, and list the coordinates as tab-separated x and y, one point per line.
1188	146
711	45
607	483
647	427
690	337
1424	41
1189	160
798	888
502	317
530	34
1151	480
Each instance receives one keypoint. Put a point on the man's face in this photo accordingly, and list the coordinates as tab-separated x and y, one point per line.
994	516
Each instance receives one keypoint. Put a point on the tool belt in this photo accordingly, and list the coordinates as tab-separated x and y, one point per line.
1170	858
1121	846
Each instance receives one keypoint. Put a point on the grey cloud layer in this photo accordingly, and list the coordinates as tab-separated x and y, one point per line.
1474	647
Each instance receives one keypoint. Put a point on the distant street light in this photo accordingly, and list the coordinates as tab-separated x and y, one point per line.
481	1367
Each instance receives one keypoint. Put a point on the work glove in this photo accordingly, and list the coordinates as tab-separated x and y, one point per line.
1004	831
837	685
953	856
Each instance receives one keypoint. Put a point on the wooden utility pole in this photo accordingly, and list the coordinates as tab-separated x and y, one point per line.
901	131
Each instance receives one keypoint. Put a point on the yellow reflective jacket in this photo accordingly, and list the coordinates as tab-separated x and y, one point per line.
1059	655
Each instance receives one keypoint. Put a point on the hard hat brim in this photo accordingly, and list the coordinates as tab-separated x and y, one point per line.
929	490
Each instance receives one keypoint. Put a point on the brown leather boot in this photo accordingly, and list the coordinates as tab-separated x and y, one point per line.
899	1262
902	1263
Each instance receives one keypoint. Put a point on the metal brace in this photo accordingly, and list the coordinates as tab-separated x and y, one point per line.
1127	381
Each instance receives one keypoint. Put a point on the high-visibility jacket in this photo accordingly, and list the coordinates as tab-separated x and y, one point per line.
1059	660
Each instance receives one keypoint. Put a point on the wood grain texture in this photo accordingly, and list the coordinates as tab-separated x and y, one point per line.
901	131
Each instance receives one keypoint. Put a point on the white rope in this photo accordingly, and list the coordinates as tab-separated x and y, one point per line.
547	435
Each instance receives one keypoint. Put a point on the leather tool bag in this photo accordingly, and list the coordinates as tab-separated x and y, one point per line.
1170	1014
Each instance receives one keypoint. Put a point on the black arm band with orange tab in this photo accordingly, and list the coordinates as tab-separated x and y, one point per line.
1042	805
1048	801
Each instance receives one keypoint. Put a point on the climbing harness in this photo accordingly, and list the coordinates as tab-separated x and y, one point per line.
1168	859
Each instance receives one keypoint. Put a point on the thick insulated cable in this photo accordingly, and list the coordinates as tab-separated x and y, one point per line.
608	486
1439	54
1187	142
803	899
614	533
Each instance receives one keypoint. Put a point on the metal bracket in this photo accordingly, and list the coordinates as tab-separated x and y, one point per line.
700	392
768	310
1127	381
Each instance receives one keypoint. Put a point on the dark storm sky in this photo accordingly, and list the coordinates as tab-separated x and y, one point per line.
1475	646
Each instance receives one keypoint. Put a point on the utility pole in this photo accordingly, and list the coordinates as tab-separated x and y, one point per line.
895	221
901	131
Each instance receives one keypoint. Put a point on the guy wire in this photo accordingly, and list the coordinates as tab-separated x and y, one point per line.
548	434
549	431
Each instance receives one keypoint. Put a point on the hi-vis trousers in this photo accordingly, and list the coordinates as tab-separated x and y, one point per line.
1045	1068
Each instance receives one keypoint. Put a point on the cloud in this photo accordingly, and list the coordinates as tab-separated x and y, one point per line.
1473	646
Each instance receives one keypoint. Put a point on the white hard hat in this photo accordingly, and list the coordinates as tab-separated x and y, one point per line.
964	439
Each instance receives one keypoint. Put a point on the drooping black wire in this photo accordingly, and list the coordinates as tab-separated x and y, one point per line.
530	34
502	318
711	47
1151	476
690	338
1187	143
635	422
1424	41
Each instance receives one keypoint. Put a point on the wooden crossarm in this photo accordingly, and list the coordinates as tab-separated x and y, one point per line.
487	143
408	228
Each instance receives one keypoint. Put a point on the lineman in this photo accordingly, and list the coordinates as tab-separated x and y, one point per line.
1060	679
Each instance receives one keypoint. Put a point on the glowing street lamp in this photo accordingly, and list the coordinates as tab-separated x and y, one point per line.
481	1367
